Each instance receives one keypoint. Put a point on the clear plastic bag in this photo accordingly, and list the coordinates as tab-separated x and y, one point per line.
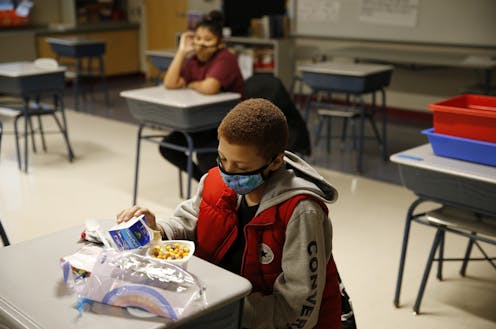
127	279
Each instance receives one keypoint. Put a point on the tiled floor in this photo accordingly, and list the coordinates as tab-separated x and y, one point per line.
368	218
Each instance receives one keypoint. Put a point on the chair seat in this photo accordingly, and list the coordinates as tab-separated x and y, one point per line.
463	220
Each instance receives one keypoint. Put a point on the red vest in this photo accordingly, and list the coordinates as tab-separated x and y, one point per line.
216	230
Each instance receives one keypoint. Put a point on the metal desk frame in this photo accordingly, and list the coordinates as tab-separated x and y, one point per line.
158	107
79	49
351	72
415	159
31	84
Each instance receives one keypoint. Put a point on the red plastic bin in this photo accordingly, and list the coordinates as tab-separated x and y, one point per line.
467	116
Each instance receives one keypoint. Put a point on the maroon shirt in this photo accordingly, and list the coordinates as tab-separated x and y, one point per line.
223	66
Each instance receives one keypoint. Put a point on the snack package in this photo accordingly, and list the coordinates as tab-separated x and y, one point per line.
127	279
131	234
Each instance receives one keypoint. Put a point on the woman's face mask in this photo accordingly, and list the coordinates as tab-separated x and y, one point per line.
205	44
243	183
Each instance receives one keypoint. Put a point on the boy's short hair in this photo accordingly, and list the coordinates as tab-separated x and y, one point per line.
257	122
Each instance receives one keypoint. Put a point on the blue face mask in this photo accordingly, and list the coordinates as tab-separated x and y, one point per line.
243	183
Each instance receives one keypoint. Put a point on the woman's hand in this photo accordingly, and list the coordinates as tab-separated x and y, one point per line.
186	42
135	211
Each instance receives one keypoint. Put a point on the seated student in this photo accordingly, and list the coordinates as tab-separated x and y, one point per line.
203	64
261	214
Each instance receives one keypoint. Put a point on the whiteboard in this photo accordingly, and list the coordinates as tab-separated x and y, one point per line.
449	22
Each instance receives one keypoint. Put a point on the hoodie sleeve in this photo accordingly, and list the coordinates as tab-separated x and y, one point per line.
182	224
298	290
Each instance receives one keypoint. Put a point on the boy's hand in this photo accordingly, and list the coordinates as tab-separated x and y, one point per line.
135	211
186	42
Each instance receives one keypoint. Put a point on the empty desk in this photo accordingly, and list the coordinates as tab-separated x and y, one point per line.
457	184
30	82
350	79
184	110
34	295
161	59
424	58
83	51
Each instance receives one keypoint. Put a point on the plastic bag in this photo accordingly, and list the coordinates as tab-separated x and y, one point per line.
127	279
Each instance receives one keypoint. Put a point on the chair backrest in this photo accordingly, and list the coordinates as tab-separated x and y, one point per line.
270	87
46	63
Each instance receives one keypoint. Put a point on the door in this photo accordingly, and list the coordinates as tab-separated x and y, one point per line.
164	19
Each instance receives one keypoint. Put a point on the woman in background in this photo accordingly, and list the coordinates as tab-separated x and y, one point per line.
202	63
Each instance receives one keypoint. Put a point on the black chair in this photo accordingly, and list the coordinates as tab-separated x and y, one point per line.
3	235
270	87
476	227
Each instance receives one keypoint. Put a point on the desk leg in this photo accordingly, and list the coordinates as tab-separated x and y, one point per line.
136	168
104	82
361	137
27	120
75	84
487	81
189	167
307	105
58	102
406	234
438	239
384	126
3	235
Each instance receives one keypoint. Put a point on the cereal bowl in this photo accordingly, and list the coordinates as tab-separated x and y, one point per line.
176	252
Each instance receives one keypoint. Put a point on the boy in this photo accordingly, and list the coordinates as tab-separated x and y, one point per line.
261	214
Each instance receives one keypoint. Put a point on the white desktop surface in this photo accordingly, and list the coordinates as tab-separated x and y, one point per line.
33	292
423	157
349	69
74	41
179	98
22	69
168	53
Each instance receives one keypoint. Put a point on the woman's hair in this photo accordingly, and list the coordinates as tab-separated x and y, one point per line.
214	22
257	122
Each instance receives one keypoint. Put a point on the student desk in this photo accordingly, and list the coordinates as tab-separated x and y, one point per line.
350	79
183	110
80	49
460	184
30	82
33	294
161	59
423	58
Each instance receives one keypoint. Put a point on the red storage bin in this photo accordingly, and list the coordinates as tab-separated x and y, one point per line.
466	116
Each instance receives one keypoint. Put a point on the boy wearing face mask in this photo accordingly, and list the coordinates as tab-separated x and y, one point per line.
203	64
261	214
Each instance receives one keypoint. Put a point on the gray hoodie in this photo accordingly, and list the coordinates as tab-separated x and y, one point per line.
291	304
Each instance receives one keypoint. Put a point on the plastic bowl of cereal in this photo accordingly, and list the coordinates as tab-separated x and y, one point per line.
177	252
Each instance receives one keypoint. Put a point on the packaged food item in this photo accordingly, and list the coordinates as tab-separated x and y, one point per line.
131	234
177	252
129	280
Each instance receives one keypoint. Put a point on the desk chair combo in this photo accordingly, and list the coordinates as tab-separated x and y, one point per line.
183	110
464	196
354	81
30	81
83	51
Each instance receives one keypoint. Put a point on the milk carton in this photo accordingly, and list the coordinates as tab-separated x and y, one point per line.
131	234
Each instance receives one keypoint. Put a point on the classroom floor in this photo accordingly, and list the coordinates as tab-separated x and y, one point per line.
368	217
